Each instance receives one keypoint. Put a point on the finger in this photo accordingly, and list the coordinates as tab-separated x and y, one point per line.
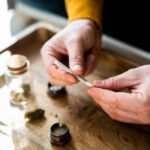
120	100
76	56
92	58
56	82
119	82
125	116
61	75
119	114
49	55
90	64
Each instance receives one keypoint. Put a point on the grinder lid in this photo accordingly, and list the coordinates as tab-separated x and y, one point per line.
59	134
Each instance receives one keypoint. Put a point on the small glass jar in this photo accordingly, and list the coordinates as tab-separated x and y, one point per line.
18	78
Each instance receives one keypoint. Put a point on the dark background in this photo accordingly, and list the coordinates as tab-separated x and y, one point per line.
127	20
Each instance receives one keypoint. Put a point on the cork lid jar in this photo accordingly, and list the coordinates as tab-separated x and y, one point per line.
17	64
18	78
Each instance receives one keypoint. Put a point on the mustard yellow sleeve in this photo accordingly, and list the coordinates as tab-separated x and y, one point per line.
89	9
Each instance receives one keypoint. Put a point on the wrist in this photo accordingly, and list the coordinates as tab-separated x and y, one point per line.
88	22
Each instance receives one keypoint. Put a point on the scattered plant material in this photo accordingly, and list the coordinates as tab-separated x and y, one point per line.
36	114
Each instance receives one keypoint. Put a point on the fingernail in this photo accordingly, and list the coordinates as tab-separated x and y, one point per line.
97	82
77	67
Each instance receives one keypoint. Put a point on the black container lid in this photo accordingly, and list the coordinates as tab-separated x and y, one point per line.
55	91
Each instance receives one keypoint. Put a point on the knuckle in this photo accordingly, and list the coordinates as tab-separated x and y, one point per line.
112	113
144	110
110	82
144	107
77	58
73	38
130	70
113	116
113	103
46	47
133	75
88	29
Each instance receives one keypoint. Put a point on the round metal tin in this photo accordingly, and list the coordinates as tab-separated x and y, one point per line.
59	134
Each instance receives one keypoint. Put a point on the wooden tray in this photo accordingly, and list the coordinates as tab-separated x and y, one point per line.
90	127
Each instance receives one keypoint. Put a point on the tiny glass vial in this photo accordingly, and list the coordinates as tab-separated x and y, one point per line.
18	78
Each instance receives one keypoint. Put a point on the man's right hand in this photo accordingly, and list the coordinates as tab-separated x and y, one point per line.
77	46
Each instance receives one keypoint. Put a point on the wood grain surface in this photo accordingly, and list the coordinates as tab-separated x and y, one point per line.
90	127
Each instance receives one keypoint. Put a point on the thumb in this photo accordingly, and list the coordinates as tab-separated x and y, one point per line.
76	57
119	82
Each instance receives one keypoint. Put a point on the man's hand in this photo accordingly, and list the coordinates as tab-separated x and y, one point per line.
133	107
77	46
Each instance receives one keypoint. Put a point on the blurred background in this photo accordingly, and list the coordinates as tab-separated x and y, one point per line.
126	20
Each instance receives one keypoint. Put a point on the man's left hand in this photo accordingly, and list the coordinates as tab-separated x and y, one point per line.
133	107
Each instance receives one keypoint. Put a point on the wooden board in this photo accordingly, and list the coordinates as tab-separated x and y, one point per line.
90	127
